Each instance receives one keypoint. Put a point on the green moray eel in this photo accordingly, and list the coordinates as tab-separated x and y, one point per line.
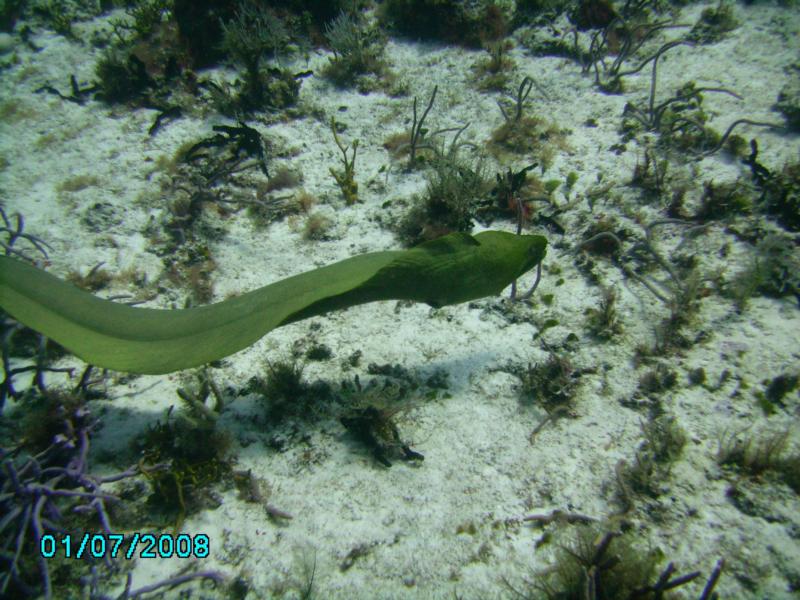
452	269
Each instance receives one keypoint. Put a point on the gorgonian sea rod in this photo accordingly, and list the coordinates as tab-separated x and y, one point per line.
452	269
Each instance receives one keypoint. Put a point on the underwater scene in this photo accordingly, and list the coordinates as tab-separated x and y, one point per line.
400	299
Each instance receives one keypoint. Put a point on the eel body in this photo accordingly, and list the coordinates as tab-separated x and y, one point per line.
452	269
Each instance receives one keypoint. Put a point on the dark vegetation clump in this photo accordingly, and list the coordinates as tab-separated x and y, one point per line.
773	270
771	398
317	12
663	444
713	24
602	320
612	566
283	384
528	10
275	89
513	195
286	395
454	191
664	439
525	134
195	459
545	41
254	34
10	11
781	196
199	184
658	380
160	41
122	76
789	99
670	333
58	15
551	384
697	376
375	428
217	158
779	190
650	175
185	454
683	124
754	456
319	352
147	53
780	386
392	370
201	22
681	119
371	409
758	455
200	26
594	14
48	414
724	200
145	16
357	49
493	72
468	24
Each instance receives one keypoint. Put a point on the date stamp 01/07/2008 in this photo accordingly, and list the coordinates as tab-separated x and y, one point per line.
130	546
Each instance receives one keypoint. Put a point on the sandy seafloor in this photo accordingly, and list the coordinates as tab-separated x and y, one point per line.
448	527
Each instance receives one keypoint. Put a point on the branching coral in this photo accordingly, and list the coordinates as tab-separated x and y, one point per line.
680	119
418	131
345	178
526	134
681	291
38	490
15	233
629	38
